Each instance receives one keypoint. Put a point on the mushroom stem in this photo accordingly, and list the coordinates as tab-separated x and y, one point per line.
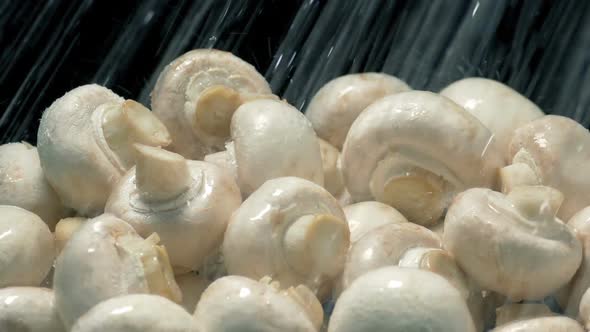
64	230
216	106
313	243
128	123
160	175
518	174
536	202
156	264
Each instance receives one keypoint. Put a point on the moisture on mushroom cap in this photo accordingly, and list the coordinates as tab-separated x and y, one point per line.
23	183
512	244
337	104
500	108
106	258
237	304
27	248
187	203
554	147
197	94
414	151
401	300
85	143
292	230
136	313
28	309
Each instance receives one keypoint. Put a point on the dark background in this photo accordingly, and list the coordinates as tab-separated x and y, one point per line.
540	48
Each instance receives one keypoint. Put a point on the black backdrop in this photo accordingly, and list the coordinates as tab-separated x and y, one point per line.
541	48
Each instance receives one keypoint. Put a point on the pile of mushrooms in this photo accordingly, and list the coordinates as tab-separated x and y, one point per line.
226	209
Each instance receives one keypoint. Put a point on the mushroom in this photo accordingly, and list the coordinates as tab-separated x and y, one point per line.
136	313
191	285
64	230
27	248
331	167
85	144
293	231
23	183
236	304
542	324
385	246
28	309
365	216
500	108
401	299
511	312
580	223
196	95
106	258
584	310
333	109
555	147
512	244
414	151
188	203
270	139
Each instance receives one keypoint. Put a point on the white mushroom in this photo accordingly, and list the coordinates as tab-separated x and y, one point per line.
23	183
401	299
191	285
197	94
64	230
333	109
188	203
580	223
414	151
584	310
236	304
85	144
331	166
513	244
365	216
291	230
28	309
106	258
511	312
27	248
385	246
270	139
136	313
543	324
555	147
500	108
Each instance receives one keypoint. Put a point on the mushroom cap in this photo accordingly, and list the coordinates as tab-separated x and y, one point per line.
239	304
64	230
500	108
262	224
385	246
275	137
584	310
401	299
28	309
365	216
543	324
580	223
27	248
335	106
505	250
181	83
331	166
95	266
558	146
136	313
424	130
23	183
191	226
78	166
511	312
191	286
